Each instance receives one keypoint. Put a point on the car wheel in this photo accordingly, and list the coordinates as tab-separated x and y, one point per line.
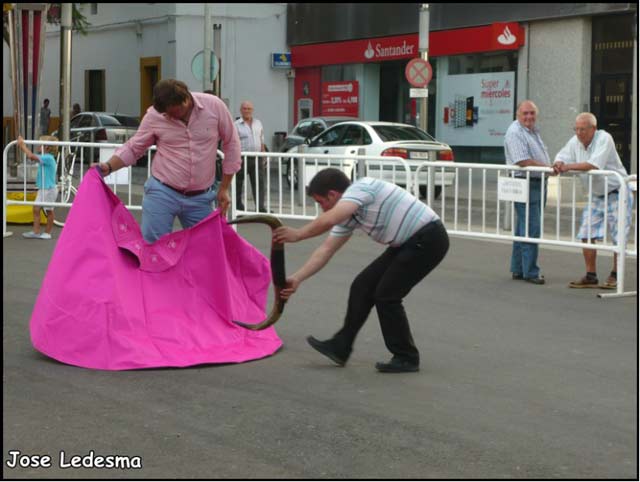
291	177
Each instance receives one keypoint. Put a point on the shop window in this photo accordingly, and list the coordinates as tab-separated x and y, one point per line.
482	63
612	78
612	44
338	73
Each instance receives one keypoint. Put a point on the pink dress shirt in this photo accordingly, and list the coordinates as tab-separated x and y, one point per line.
186	153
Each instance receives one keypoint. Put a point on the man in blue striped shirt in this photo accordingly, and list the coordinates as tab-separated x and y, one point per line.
417	241
523	147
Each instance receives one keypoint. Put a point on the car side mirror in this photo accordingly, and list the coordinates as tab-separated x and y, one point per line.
307	141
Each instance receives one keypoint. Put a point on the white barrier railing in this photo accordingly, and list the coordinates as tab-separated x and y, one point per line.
558	220
284	197
474	210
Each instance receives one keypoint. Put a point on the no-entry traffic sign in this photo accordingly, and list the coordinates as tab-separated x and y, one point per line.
418	72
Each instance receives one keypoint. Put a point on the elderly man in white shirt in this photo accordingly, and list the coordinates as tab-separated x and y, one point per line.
251	135
591	149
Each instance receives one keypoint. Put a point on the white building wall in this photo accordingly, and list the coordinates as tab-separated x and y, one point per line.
559	76
121	34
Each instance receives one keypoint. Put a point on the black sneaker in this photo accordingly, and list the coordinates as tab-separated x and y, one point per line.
398	365
328	349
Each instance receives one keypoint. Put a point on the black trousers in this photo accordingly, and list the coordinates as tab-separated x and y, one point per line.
385	282
251	171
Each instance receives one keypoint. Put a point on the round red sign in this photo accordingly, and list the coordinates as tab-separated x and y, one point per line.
418	72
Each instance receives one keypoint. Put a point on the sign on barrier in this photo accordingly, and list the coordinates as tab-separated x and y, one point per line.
511	189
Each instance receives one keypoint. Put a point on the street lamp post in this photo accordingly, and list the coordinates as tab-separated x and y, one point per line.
423	47
208	43
66	22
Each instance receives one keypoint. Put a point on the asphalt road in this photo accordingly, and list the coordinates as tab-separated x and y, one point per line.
517	381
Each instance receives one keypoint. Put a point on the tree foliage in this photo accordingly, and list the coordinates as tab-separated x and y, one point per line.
80	22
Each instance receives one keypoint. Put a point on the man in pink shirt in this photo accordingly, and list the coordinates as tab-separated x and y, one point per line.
185	127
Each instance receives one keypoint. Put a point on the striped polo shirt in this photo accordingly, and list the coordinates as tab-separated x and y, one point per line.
521	144
386	212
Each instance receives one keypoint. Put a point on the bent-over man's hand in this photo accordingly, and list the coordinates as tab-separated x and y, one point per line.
290	289
286	234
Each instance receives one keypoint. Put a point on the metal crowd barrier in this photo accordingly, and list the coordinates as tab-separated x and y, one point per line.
465	196
285	174
472	208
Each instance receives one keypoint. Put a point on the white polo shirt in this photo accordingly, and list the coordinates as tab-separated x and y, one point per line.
601	153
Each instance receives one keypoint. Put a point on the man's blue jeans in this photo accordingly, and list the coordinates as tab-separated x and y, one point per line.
161	205
524	256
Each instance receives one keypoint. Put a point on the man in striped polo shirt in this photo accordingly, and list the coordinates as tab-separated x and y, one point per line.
523	147
417	241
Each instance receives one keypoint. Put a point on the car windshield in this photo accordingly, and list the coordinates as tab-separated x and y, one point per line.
334	121
401	133
118	120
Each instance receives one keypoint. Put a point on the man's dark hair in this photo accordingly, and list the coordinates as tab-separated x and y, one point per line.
169	92
46	101
329	179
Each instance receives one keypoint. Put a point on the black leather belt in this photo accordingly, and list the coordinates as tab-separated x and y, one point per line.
184	193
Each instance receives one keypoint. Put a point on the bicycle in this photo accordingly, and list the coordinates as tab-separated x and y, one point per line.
67	180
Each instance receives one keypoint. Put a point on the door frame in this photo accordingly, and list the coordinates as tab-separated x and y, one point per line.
145	89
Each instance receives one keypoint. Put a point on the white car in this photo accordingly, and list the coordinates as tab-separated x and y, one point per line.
383	139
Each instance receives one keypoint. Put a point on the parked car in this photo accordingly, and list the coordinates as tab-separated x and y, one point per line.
308	128
383	139
101	127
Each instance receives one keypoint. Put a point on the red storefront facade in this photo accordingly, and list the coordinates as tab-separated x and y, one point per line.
310	61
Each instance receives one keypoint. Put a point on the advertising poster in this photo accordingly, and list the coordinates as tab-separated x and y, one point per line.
475	109
340	98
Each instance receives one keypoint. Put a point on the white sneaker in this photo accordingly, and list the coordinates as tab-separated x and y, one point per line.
44	236
31	235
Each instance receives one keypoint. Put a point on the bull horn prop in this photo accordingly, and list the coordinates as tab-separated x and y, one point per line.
277	270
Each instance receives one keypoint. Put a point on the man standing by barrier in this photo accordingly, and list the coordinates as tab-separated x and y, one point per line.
591	149
523	147
45	118
251	135
186	127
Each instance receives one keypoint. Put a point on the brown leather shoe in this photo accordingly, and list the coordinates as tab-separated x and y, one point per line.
610	284
585	282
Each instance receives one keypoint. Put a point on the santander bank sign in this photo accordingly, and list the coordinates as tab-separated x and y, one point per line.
356	51
487	38
392	51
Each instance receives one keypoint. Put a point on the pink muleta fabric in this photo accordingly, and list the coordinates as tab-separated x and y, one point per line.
111	301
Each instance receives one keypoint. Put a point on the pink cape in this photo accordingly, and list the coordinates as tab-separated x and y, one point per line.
111	301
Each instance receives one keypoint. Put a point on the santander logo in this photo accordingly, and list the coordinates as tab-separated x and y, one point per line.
369	53
381	51
506	37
